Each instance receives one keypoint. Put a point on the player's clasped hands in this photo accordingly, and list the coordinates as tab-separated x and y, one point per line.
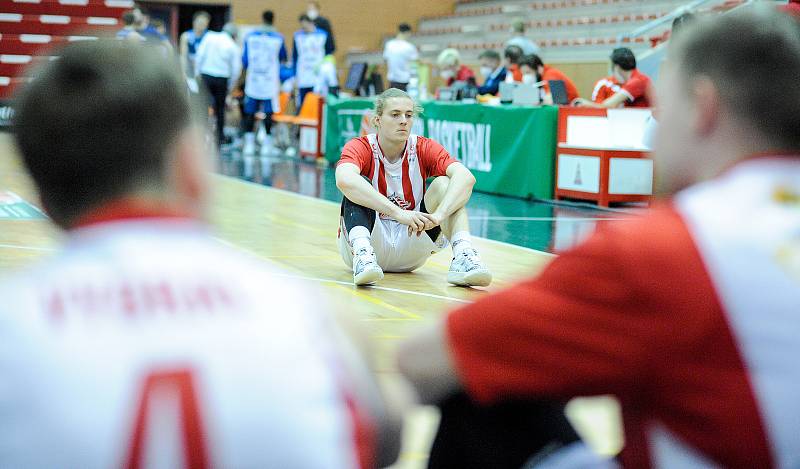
417	222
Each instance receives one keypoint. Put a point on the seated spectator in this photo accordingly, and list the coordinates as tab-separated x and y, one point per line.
518	39
635	87
688	314
605	88
512	56
492	70
451	68
534	71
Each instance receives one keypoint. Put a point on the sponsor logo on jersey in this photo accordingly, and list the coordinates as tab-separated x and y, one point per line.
398	200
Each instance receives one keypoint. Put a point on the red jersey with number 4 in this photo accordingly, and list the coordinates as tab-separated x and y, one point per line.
147	344
402	182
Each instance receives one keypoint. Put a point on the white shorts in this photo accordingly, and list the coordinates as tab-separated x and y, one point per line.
395	251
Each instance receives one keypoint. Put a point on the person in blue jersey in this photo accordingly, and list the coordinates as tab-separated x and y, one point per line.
322	23
128	32
264	52
190	41
310	47
145	29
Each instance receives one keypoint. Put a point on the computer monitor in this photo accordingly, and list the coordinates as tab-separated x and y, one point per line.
446	93
559	92
355	76
506	91
376	80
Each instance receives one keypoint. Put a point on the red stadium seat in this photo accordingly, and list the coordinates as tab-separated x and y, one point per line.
16	65
29	44
111	9
56	25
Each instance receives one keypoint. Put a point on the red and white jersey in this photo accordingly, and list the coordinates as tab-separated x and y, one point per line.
690	316
147	344
402	182
605	88
639	90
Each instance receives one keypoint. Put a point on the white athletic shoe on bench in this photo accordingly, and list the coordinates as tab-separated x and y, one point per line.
467	270
366	270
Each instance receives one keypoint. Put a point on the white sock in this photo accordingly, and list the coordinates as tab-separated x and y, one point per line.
359	237
460	241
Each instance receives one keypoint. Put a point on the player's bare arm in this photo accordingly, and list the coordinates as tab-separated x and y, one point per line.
425	360
457	195
358	190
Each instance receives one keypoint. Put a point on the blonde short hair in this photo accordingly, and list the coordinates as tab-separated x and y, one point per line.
380	100
448	58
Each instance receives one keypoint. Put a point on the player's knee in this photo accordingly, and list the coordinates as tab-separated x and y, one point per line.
437	190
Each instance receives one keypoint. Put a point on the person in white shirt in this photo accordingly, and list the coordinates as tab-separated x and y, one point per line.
400	56
219	64
145	341
518	39
327	79
311	45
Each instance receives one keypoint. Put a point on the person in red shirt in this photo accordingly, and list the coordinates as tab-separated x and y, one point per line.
389	220
534	71
636	89
512	55
451	68
605	88
793	8
687	314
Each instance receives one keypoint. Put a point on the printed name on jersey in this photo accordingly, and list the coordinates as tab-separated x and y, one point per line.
136	298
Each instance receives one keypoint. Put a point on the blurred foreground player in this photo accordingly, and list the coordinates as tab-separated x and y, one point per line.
389	221
689	316
145	342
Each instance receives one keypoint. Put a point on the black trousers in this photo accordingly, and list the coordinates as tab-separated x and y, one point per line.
502	436
398	85
302	92
249	120
218	90
358	215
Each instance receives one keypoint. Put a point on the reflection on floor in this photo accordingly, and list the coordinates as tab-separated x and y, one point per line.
543	226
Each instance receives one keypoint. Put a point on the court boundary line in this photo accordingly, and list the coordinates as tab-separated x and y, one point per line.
339	282
288	192
567	219
26	248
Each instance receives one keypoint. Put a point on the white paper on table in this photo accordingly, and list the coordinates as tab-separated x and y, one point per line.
628	127
588	131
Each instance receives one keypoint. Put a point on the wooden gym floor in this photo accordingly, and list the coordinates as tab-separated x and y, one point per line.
297	233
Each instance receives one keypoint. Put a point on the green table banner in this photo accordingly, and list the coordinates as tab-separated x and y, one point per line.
510	149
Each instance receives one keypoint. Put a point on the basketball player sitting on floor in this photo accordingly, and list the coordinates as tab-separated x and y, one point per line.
389	221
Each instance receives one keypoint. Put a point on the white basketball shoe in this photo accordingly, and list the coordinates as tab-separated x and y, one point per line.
366	270
467	270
